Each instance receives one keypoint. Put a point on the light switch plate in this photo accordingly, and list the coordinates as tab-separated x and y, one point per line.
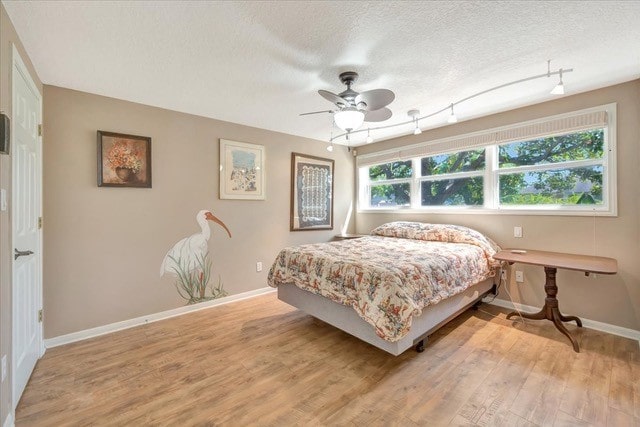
517	231
258	266
3	199
519	276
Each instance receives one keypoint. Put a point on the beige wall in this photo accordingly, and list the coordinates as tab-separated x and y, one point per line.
610	299
103	246
8	38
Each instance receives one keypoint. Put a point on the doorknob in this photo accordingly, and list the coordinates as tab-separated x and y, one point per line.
17	254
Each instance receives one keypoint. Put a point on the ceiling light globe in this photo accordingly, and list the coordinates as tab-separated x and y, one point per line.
452	119
330	148
418	131
369	139
349	119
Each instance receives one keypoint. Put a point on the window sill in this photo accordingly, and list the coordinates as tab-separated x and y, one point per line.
484	211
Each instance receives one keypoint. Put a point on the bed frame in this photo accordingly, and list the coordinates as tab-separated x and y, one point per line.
345	318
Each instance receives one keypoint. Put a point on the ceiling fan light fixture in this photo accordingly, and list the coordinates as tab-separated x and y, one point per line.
349	119
452	117
559	89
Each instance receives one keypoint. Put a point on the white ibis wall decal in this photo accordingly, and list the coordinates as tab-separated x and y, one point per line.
189	261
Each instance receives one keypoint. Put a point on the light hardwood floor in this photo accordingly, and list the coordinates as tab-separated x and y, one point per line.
262	362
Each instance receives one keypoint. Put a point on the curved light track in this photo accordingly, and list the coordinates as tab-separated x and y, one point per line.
475	95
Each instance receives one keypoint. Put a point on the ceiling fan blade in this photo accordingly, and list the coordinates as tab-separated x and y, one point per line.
379	115
317	112
332	97
375	99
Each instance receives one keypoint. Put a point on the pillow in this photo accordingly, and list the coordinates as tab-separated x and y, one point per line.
438	233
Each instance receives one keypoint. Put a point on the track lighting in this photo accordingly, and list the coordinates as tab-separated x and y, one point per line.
452	118
351	128
369	137
559	89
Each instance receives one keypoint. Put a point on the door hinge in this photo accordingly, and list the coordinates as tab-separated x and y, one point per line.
40	315
39	130
39	222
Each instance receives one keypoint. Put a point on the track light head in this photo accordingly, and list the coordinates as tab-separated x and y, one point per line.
414	114
452	117
559	89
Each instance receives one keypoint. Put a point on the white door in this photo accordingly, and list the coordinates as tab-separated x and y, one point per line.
26	202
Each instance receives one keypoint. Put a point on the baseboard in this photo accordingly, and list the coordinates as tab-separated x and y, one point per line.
126	324
587	323
8	422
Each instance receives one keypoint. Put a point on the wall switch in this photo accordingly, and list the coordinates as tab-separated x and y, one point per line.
3	199
517	231
4	367
519	276
258	266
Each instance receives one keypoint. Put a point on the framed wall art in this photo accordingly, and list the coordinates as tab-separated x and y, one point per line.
242	171
123	160
311	193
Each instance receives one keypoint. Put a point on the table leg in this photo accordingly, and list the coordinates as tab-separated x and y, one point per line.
570	318
560	326
551	311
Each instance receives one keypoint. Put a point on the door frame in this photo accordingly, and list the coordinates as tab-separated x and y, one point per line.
18	66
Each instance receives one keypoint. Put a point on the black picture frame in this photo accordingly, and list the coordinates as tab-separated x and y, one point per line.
311	193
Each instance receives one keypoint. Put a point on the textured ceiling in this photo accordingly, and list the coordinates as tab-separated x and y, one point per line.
261	63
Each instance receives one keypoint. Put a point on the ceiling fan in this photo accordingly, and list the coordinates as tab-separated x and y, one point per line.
356	108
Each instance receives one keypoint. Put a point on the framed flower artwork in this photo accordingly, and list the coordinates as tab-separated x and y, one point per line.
311	193
123	160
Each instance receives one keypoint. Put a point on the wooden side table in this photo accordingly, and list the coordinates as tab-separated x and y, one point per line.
551	261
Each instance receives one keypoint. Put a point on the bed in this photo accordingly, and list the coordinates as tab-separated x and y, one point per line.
393	288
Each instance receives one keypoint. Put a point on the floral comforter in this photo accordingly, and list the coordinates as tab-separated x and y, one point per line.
391	276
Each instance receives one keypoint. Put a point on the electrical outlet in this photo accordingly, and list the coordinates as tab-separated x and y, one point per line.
4	367
519	276
517	231
258	267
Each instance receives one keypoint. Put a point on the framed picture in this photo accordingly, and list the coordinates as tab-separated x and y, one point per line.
123	160
242	171
311	193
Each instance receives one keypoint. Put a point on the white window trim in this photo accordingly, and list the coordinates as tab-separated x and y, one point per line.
491	173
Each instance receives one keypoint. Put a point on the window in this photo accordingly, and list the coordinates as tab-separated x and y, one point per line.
453	179
390	184
560	165
559	170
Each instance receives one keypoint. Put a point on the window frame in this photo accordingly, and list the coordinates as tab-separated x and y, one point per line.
492	173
